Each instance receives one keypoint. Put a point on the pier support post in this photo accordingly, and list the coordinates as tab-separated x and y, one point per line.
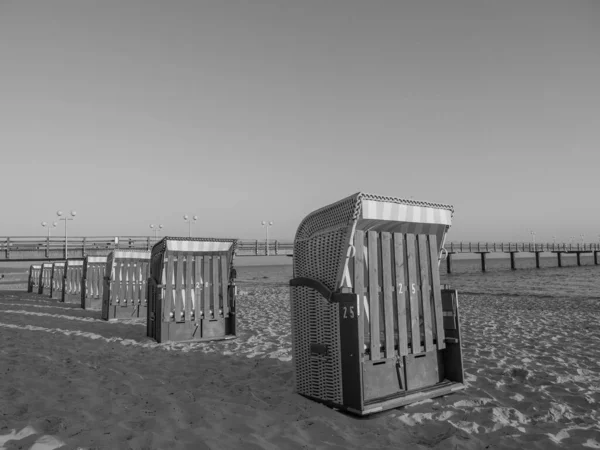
482	254
512	260
559	257
449	263
578	258
537	260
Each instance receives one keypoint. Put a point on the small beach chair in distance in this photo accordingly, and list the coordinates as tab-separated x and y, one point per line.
34	278
371	327
56	284
191	291
45	278
125	283
71	292
92	282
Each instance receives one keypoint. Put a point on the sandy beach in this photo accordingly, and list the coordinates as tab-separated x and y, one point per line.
71	380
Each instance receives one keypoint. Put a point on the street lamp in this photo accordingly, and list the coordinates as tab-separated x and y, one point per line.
267	225
189	221
581	236
46	224
533	237
59	214
155	228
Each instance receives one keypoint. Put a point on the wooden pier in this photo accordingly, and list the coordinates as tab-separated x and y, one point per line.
29	248
513	248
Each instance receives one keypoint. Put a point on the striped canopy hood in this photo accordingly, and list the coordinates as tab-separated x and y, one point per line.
325	236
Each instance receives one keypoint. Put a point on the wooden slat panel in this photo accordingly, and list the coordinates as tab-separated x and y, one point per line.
374	294
198	286
388	305
401	289
215	284
413	294
359	286
179	272
224	278
425	291
168	304
189	286
206	288
437	296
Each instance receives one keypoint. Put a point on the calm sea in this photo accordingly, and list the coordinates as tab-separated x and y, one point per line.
569	281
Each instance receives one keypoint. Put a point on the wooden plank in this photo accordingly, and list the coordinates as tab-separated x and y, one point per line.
388	305
179	272
425	290
373	255
168	302
198	286
130	281
135	281
189	286
400	268
215	284
359	286
206	288
224	283
117	282
144	274
437	296
412	286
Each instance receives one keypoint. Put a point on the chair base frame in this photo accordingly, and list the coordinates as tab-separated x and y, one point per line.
117	312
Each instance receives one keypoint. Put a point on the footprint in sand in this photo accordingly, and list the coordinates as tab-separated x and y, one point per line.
45	442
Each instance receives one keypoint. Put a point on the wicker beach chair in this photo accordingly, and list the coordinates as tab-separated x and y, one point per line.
57	282
34	277
92	281
125	281
45	278
371	327
191	291
71	292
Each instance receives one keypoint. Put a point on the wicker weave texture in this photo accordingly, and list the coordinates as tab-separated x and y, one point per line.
315	320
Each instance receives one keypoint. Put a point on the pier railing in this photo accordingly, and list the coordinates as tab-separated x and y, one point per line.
507	247
35	248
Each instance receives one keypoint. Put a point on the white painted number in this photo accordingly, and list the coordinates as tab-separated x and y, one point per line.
348	312
400	288
413	288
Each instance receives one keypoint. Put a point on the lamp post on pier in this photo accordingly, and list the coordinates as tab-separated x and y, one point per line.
59	214
155	228
267	225
533	238
47	225
187	219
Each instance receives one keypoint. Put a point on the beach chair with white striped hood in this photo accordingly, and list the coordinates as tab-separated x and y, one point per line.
191	290
124	294
371	327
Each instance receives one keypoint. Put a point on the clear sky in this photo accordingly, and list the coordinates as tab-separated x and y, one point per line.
137	112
